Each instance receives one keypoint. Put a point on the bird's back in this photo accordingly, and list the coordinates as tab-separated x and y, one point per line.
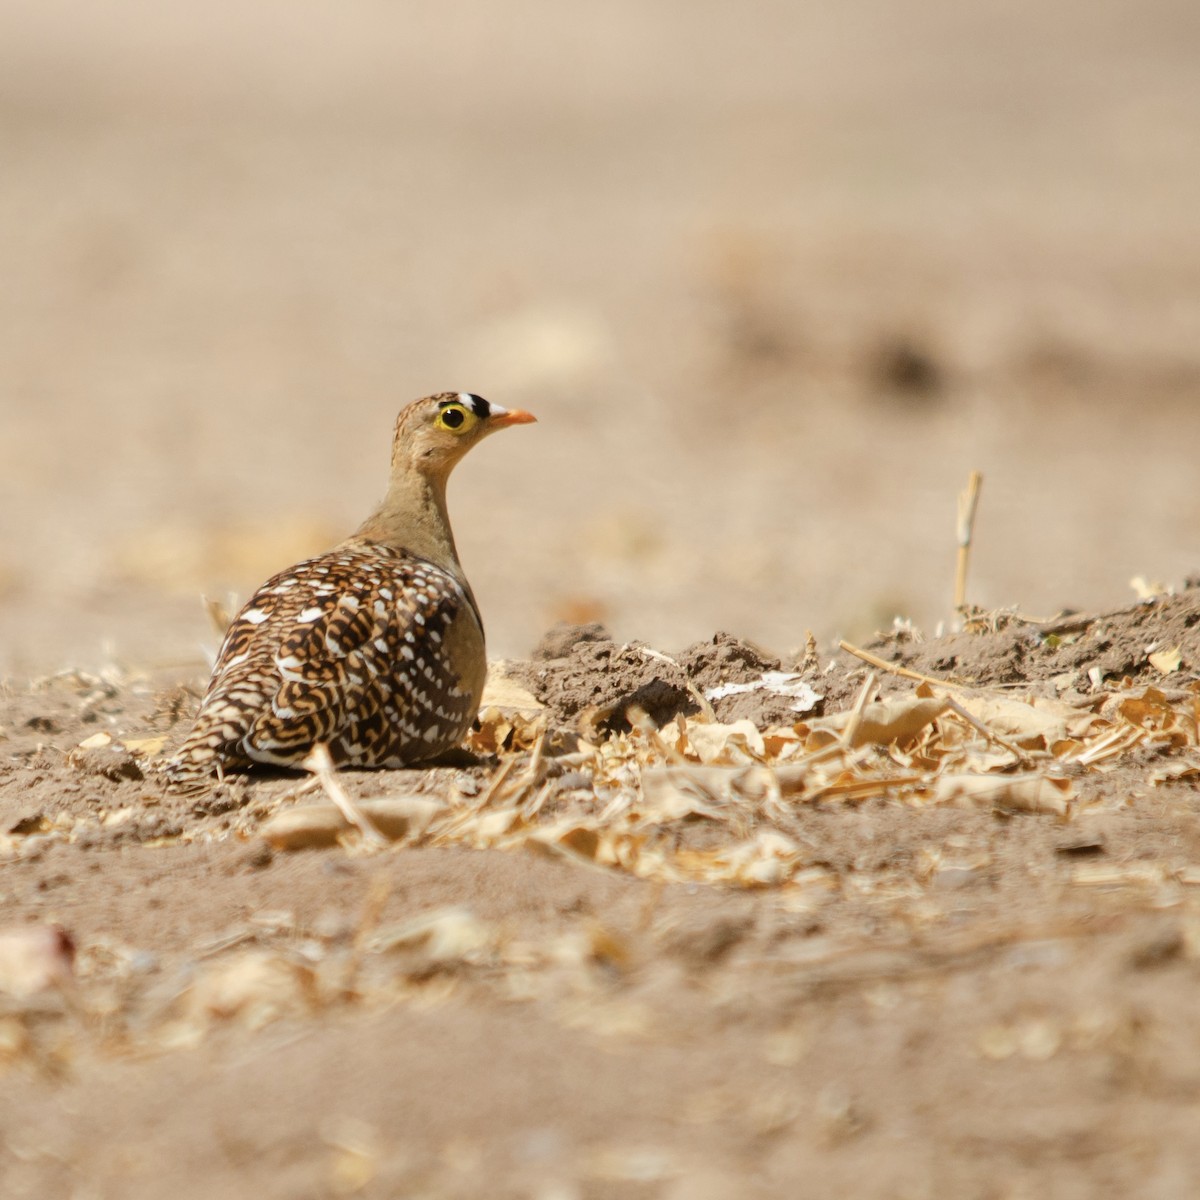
371	650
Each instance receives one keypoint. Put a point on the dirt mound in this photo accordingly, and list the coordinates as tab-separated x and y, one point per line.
580	669
1075	652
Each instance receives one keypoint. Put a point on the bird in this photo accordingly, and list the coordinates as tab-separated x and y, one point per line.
374	649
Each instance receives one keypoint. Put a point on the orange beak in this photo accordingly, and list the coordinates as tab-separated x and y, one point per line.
501	418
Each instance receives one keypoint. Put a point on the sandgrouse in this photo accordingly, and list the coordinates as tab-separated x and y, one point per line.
374	648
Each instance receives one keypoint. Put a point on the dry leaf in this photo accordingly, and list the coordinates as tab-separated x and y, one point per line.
671	793
1166	661
1187	769
313	825
1149	710
738	743
887	721
505	729
782	743
1006	793
1032	725
148	746
579	836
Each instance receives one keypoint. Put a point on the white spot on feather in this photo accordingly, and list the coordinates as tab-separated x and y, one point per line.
289	668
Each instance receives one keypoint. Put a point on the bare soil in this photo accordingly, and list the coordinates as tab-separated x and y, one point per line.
970	1000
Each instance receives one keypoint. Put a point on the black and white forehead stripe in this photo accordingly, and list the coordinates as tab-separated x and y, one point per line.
478	405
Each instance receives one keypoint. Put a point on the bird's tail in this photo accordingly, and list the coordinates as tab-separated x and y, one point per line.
194	768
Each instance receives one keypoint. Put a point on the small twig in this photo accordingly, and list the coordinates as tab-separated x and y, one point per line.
320	763
991	736
968	501
856	713
702	702
458	820
864	789
497	782
533	805
537	757
1111	744
534	771
218	614
896	669
301	789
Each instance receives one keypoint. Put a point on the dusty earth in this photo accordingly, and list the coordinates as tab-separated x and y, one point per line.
710	917
628	950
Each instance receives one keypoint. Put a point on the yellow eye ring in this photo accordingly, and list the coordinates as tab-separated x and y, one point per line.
455	418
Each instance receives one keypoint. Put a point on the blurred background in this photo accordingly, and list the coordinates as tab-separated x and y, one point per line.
774	276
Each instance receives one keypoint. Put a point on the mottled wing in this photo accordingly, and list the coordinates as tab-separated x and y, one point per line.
353	649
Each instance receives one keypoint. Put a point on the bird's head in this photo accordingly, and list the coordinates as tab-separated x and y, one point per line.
434	433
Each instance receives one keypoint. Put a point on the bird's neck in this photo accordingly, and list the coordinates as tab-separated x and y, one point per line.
413	517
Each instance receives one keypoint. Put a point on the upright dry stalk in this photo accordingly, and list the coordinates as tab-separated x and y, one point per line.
320	763
967	503
856	713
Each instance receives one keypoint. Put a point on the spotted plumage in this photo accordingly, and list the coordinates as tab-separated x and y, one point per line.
374	649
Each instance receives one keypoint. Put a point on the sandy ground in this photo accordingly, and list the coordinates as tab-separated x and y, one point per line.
775	282
565	987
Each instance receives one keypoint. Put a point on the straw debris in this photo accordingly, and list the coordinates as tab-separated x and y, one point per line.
698	799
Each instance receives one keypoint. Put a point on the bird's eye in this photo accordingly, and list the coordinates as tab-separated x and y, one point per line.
452	417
